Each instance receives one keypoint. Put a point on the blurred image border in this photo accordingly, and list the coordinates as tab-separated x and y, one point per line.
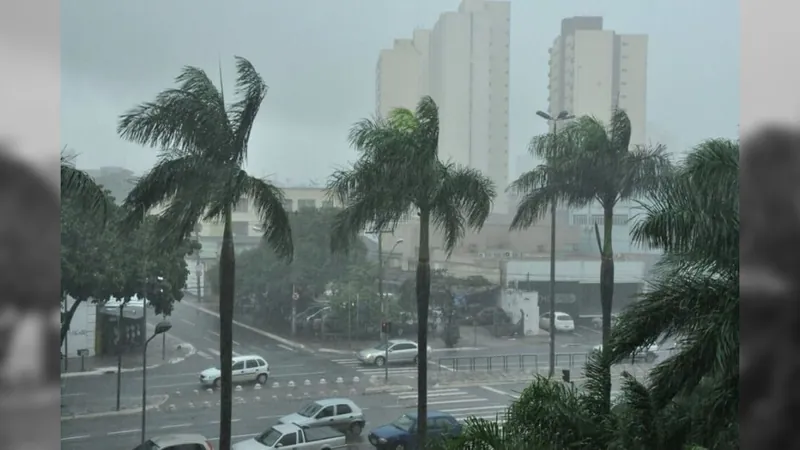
30	131
769	123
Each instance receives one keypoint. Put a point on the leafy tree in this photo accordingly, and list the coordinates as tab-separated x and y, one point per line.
694	297
200	176
99	262
588	162
399	173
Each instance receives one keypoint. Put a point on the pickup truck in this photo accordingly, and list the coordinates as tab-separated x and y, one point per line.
291	437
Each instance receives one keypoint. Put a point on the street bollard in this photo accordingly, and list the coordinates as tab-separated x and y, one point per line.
307	383
289	395
196	392
238	388
178	393
306	395
171	407
290	384
257	398
339	380
275	397
356	380
257	386
323	382
334	393
191	405
210	391
206	404
276	385
353	392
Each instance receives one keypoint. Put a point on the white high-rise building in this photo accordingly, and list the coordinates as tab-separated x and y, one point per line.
592	70
464	68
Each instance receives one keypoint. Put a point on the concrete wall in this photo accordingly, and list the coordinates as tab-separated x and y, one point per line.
81	333
515	303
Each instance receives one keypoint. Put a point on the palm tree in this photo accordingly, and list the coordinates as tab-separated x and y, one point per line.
588	162
694	298
80	187
200	176
399	173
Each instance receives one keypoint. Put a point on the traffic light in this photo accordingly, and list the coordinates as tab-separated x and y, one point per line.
565	375
386	327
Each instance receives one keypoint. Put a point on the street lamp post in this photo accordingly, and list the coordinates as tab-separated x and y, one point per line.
161	328
563	115
384	304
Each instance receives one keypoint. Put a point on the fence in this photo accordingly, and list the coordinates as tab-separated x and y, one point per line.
518	362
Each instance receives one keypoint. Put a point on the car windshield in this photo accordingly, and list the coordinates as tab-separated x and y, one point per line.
310	410
404	423
562	317
380	347
269	437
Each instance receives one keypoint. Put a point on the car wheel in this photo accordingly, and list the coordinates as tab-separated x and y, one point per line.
261	379
400	447
216	383
356	429
379	361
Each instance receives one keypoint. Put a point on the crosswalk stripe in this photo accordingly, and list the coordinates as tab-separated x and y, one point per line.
216	352
204	354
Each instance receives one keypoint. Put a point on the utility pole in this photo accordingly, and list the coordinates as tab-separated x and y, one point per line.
119	352
563	115
295	297
198	267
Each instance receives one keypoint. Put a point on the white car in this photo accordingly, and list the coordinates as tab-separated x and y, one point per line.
648	354
246	369
563	322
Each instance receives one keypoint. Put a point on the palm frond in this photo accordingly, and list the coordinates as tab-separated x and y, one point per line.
182	186
427	128
82	188
190	118
273	219
619	131
463	199
252	88
644	169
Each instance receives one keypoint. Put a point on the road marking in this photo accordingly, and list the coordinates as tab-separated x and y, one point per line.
216	422
204	354
186	321
165	386
73	394
495	390
214	333
74	438
286	347
215	352
238	436
114	433
180	425
234	342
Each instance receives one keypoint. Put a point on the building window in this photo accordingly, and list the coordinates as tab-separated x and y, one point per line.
241	205
305	203
597	219
240	228
288	205
619	219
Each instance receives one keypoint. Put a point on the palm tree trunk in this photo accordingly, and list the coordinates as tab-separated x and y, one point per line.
227	272
423	300
607	294
68	319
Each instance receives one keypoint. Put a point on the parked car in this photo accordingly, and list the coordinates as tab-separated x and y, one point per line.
176	442
402	433
400	351
563	322
648	354
339	413
492	315
290	437
246	369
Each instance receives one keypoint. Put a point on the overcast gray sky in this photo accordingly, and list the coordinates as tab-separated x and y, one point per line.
319	56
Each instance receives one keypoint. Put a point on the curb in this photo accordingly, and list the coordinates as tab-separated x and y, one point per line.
334	351
498	382
113	370
387	389
123	412
274	337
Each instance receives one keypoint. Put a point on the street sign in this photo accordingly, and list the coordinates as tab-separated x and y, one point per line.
295	296
83	352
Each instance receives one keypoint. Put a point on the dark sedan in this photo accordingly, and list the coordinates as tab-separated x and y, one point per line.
401	434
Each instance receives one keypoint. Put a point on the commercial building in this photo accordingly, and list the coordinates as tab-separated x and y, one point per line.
463	64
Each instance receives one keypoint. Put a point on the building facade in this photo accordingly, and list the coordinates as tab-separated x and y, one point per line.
593	70
463	64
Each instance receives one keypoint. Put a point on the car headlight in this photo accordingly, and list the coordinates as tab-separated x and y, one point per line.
382	440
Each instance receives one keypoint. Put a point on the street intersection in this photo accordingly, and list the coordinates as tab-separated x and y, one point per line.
477	385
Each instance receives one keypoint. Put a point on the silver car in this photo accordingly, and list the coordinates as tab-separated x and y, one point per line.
399	351
339	413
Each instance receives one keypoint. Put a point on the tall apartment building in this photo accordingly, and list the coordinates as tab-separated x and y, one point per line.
462	63
592	70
